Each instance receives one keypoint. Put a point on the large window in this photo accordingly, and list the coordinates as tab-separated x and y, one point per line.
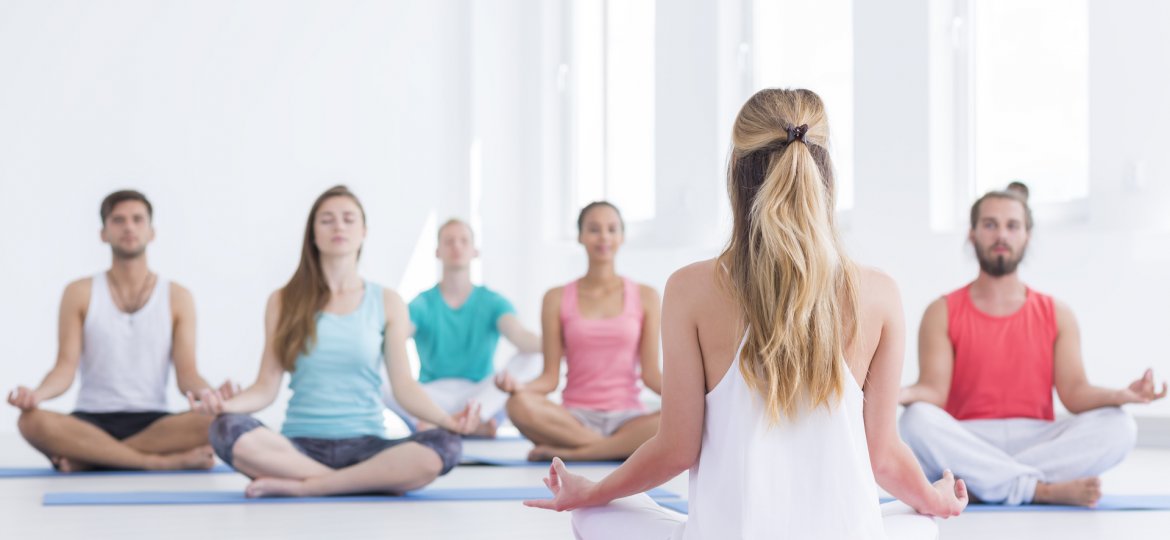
611	102
800	44
1030	94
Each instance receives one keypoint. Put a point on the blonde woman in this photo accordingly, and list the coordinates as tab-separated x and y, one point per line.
782	363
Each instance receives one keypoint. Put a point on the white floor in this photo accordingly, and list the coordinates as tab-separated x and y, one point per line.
1147	471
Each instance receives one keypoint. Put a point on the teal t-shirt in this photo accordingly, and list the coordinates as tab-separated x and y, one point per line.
457	343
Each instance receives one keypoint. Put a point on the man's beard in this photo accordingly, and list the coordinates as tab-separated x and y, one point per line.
998	265
124	254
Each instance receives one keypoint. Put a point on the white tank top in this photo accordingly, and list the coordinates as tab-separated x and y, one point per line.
125	357
804	477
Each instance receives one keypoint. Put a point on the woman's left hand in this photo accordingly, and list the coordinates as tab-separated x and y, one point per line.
570	491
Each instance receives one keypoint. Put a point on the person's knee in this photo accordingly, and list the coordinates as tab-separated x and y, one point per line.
914	425
580	522
1117	427
519	407
33	424
227	435
447	446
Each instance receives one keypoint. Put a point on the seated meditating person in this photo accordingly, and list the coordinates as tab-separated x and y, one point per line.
781	367
990	354
122	330
332	331
457	326
605	327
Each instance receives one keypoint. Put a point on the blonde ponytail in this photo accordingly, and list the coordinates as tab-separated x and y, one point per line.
785	262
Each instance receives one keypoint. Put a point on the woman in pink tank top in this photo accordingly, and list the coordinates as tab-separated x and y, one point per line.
605	326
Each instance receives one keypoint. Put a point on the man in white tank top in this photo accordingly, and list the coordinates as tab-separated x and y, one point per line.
122	328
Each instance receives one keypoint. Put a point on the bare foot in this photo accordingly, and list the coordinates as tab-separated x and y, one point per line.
65	465
196	458
487	429
1082	492
423	426
275	487
542	452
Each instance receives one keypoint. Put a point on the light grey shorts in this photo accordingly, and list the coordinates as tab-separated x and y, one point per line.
605	422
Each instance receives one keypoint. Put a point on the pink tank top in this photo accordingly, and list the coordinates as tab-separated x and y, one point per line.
603	355
1003	365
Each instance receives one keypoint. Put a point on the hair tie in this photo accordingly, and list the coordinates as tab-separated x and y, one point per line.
796	133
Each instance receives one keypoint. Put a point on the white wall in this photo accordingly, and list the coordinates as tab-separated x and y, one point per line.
1111	270
232	116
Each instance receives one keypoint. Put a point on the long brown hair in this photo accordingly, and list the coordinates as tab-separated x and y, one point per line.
785	263
305	295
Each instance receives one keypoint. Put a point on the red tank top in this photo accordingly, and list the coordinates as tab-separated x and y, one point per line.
1003	365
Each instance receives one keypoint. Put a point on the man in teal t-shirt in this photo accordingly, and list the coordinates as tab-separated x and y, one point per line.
457	326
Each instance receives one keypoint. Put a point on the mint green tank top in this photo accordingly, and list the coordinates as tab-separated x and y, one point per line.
336	387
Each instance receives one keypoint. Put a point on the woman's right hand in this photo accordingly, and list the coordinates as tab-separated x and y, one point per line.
465	422
208	402
570	491
952	497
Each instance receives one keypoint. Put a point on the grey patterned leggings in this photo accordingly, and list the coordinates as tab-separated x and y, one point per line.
335	453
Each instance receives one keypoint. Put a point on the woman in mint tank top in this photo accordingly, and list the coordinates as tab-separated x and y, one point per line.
605	326
332	330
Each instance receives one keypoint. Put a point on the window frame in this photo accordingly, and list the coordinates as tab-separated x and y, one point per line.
964	188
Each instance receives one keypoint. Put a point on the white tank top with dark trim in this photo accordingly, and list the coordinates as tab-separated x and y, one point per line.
125	357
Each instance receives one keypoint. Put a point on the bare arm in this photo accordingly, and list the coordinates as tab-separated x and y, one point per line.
680	433
648	348
1072	384
70	329
407	390
554	347
895	467
183	341
525	341
936	359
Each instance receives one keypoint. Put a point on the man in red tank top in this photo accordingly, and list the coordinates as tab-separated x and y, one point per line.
990	355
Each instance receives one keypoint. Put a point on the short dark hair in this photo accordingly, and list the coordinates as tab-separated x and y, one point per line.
591	206
1010	194
118	197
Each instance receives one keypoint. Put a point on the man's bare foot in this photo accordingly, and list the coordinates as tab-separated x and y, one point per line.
66	465
275	487
487	429
202	457
1081	492
542	452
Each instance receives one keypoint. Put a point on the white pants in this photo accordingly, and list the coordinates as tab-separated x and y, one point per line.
1002	460
452	395
640	518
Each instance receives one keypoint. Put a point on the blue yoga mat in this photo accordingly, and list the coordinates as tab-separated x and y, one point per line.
500	438
1108	503
92	498
34	472
678	505
472	459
